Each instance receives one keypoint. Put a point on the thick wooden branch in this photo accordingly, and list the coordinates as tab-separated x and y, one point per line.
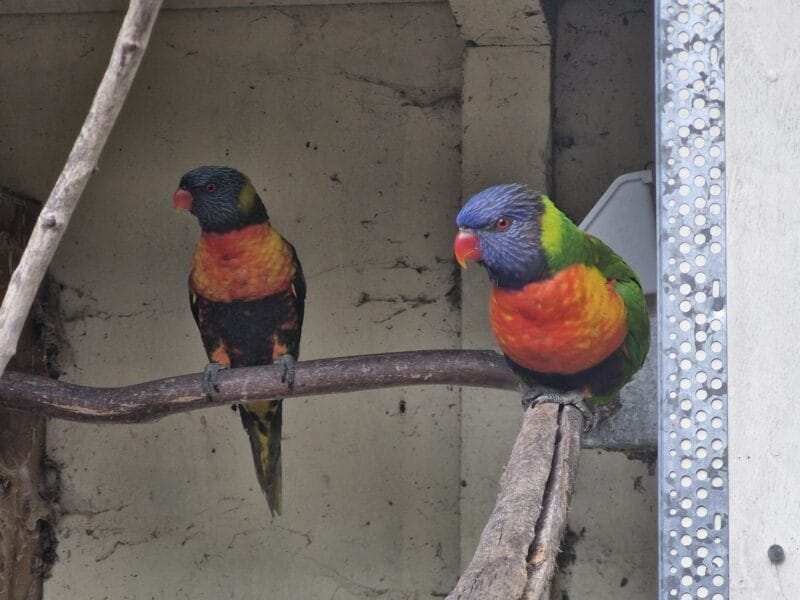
515	558
553	520
55	215
154	399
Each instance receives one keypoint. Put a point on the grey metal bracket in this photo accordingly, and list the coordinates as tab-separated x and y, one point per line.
624	217
690	194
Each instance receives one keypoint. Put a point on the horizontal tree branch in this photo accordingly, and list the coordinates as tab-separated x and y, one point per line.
515	558
148	401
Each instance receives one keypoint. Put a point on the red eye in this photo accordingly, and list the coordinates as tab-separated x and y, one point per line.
502	224
211	187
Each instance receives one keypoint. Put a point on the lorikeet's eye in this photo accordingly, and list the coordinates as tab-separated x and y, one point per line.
211	187
502	224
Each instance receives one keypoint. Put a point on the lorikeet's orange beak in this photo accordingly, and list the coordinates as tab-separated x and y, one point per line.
182	199
466	247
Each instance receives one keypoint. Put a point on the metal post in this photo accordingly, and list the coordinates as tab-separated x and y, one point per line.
690	187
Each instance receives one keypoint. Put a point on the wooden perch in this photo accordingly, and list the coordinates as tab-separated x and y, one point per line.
516	554
553	519
154	399
82	161
515	559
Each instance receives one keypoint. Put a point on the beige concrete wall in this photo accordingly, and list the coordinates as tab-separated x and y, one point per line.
347	119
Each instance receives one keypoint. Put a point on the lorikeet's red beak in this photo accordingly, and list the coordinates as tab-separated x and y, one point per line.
466	247
182	199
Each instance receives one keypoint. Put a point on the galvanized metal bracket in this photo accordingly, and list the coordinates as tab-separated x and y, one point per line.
690	192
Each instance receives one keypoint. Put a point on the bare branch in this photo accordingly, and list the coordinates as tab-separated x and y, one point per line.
154	399
55	215
515	558
498	570
551	525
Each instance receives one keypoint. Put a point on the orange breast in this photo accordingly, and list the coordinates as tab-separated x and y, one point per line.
565	324
247	264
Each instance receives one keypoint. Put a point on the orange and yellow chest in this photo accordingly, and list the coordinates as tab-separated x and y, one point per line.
246	264
565	324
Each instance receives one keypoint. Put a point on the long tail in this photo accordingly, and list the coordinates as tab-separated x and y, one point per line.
263	422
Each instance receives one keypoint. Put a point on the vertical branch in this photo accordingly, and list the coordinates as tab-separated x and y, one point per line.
53	220
515	558
26	540
25	517
550	529
498	570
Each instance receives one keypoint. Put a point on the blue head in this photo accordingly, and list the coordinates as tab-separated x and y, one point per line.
500	227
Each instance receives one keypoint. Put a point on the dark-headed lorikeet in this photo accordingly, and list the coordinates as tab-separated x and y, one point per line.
247	295
567	312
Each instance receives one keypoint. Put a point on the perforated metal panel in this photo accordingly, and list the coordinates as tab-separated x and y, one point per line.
693	465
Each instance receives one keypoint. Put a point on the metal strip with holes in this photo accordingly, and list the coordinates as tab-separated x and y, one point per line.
690	191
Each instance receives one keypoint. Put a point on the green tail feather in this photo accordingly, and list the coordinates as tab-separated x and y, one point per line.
263	422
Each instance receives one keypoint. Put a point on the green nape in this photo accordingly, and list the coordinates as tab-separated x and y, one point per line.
563	242
247	198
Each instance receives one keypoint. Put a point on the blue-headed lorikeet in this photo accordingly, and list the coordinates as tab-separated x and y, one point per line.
567	312
247	295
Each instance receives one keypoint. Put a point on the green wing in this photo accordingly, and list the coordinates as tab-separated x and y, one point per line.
637	341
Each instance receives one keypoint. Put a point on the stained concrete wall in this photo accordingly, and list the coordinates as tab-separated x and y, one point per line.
349	120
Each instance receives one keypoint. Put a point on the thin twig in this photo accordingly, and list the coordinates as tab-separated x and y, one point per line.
55	216
154	399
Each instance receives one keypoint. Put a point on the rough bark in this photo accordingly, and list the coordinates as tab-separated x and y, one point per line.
553	520
26	538
515	557
25	531
55	215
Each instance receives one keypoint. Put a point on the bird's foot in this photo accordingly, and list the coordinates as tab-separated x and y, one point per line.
533	396
210	383
288	363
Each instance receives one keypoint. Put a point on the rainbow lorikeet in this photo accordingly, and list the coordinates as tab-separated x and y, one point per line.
247	294
568	313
